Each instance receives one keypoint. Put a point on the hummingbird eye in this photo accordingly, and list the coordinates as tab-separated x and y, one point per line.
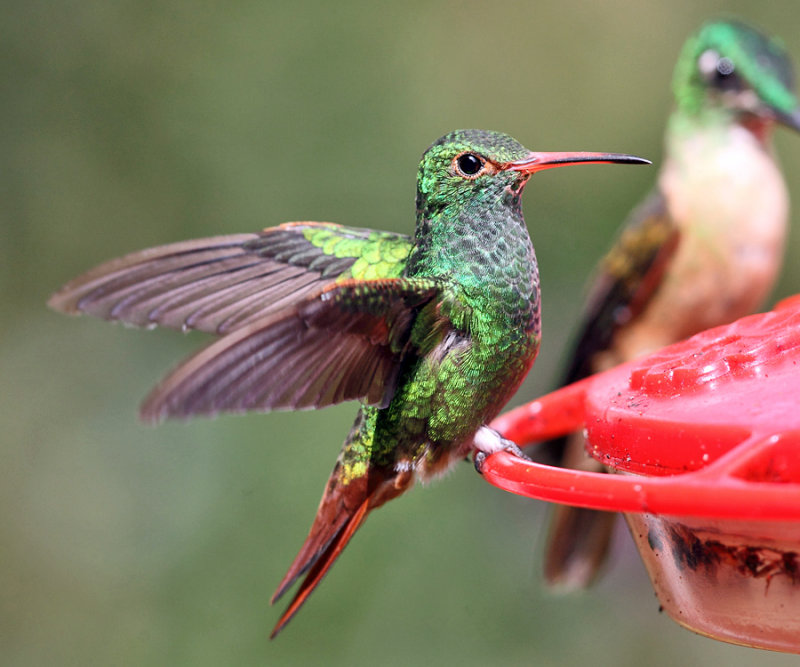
468	164
719	71
725	67
725	76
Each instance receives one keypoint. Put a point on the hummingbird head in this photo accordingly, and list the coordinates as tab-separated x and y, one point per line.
730	66
468	168
469	211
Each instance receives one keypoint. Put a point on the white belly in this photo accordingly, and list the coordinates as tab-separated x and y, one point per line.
732	214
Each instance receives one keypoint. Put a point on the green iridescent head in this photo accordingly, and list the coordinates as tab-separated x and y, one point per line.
468	165
730	66
481	168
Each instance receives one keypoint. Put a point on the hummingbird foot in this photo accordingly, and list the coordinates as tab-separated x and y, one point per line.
488	441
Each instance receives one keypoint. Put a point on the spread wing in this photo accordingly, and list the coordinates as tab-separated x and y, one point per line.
224	283
627	278
347	341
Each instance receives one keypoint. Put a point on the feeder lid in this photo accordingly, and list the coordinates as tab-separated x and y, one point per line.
683	407
722	406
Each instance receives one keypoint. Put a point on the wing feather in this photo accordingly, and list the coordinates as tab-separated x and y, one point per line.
223	283
627	278
345	342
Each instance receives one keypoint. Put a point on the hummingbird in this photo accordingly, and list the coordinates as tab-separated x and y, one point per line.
432	334
703	249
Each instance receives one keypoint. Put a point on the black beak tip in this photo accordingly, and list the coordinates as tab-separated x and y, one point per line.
790	120
631	159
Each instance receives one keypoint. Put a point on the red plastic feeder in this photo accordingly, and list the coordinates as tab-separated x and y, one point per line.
707	435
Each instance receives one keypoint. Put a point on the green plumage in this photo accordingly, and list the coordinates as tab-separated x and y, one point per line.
432	334
753	58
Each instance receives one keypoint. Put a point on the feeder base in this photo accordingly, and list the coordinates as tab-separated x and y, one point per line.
729	580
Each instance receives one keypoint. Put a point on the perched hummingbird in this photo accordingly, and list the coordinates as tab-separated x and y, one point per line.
432	334
702	250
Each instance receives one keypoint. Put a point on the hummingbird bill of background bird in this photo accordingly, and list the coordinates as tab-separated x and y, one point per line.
433	334
702	250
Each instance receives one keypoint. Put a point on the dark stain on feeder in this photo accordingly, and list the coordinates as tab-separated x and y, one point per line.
692	552
654	541
791	566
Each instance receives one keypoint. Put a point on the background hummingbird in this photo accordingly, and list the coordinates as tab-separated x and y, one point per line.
703	249
433	334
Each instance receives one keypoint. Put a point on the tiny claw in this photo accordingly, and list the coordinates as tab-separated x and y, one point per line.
479	459
516	451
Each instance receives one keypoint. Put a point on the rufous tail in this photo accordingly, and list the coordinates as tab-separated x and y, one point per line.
317	566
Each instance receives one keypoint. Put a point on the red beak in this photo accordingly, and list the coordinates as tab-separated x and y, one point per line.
538	161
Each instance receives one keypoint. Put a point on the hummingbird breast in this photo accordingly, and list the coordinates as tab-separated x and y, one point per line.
726	194
489	326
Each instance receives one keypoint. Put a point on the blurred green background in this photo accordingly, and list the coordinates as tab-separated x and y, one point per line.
131	124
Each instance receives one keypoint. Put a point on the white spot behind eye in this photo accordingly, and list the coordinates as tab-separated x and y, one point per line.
707	62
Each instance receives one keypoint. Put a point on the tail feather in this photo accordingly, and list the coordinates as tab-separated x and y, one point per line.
577	546
578	539
343	508
317	565
320	537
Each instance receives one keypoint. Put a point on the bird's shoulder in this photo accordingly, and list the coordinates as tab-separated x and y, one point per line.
222	283
348	252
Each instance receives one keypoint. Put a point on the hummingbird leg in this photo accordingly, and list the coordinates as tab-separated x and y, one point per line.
488	441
